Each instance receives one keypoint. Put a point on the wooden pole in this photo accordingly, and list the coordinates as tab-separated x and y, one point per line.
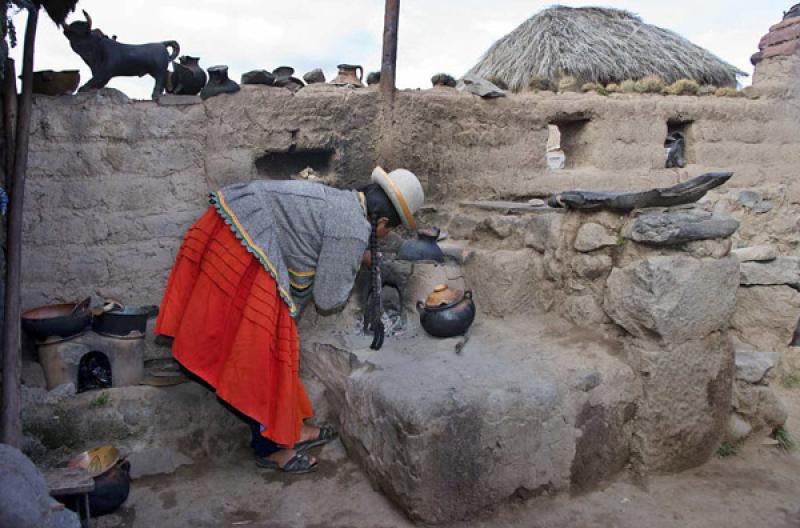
389	62
10	120
10	418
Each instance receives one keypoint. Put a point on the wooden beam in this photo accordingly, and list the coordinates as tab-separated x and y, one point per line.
389	61
10	120
10	418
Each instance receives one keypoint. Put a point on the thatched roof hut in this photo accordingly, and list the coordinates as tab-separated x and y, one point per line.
598	45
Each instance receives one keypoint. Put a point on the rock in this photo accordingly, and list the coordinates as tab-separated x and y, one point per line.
502	227
473	84
756	253
62	391
709	248
592	266
537	202
686	403
156	461
678	226
592	237
258	77
753	366
584	310
766	316
33	375
543	232
748	199
179	100
738	429
510	274
589	381
314	76
763	207
781	271
759	405
677	298
25	501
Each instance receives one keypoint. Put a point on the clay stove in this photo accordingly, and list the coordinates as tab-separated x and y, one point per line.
61	358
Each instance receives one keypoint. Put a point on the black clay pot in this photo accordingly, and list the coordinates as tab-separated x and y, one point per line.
187	77
121	321
57	320
111	489
424	247
219	83
447	313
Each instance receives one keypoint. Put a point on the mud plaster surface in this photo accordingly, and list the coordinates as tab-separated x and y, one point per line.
757	487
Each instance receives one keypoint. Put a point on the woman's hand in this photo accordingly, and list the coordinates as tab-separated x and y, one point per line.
366	259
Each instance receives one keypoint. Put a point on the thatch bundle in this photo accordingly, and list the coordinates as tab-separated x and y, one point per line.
598	45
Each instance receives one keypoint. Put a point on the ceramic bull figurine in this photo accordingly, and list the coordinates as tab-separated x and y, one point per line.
108	58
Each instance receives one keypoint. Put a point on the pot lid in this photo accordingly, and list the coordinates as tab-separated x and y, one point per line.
443	295
97	460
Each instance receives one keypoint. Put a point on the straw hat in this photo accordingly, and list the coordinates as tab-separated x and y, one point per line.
404	190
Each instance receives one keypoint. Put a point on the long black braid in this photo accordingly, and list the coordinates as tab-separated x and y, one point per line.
378	206
374	316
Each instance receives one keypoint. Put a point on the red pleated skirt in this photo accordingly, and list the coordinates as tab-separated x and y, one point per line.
232	329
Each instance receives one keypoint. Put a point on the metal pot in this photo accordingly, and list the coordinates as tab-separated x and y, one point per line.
117	320
447	312
424	247
57	320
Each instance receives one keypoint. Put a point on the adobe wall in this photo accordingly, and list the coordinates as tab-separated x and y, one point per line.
114	183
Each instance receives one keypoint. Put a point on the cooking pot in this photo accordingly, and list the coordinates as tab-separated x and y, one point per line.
57	320
117	320
111	473
447	312
424	247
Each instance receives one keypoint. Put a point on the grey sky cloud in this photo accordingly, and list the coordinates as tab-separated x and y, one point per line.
435	35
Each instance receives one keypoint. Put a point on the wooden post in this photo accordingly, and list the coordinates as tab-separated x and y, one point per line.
389	62
10	120
10	419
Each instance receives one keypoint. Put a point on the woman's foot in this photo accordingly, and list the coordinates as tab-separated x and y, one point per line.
311	437
288	461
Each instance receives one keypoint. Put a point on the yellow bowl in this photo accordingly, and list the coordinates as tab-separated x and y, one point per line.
97	460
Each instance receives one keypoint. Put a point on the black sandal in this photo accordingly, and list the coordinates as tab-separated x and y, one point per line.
297	465
326	434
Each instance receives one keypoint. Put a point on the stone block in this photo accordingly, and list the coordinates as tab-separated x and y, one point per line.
678	227
592	266
782	270
156	461
686	404
756	253
759	405
504	281
592	237
766	316
753	366
738	429
674	298
544	231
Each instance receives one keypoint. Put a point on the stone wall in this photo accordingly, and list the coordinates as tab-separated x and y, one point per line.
114	183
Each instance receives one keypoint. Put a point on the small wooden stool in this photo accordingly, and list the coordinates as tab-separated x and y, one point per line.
66	482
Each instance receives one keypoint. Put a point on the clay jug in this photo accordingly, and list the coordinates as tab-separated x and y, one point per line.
187	78
349	74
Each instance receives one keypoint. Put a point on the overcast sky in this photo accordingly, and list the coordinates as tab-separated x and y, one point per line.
435	35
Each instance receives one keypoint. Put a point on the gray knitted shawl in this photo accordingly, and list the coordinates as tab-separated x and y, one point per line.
308	236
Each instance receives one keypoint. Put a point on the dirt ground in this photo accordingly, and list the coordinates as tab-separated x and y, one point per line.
759	486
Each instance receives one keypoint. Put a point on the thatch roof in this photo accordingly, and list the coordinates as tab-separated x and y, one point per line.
598	45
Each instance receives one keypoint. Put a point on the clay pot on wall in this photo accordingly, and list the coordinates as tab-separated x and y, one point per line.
187	77
49	82
349	74
219	83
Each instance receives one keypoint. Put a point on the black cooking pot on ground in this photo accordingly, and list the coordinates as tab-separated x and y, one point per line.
57	320
447	312
117	320
424	247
